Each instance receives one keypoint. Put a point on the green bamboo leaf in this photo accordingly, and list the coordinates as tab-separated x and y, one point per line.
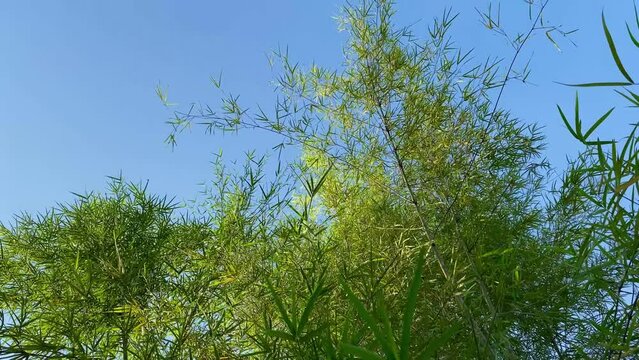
613	50
597	123
577	119
280	334
217	82
280	307
329	349
584	253
588	196
321	181
630	143
313	188
319	289
161	93
435	344
603	162
499	252
632	97
632	37
599	84
386	325
77	260
616	162
359	352
411	304
368	319
554	43
311	334
565	120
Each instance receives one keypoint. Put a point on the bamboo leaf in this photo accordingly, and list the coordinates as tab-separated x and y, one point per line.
613	50
600	84
310	304
632	97
360	352
328	347
368	319
632	37
435	344
280	334
565	120
411	304
321	181
386	325
597	123
577	119
281	308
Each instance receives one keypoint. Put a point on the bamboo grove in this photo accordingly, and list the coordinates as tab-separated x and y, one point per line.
420	220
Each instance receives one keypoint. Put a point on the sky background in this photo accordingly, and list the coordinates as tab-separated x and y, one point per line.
78	78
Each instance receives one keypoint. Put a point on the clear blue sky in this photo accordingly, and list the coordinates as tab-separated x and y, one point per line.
77	81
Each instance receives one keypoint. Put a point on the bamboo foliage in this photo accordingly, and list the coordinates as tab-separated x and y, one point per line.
416	223
602	182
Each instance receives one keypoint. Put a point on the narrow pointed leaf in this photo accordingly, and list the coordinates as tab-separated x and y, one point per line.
565	120
613	50
597	123
411	304
281	308
368	319
280	334
630	97
577	119
386	326
632	37
600	84
435	344
310	304
359	352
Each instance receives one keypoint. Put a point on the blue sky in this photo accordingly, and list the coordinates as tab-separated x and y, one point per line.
77	79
